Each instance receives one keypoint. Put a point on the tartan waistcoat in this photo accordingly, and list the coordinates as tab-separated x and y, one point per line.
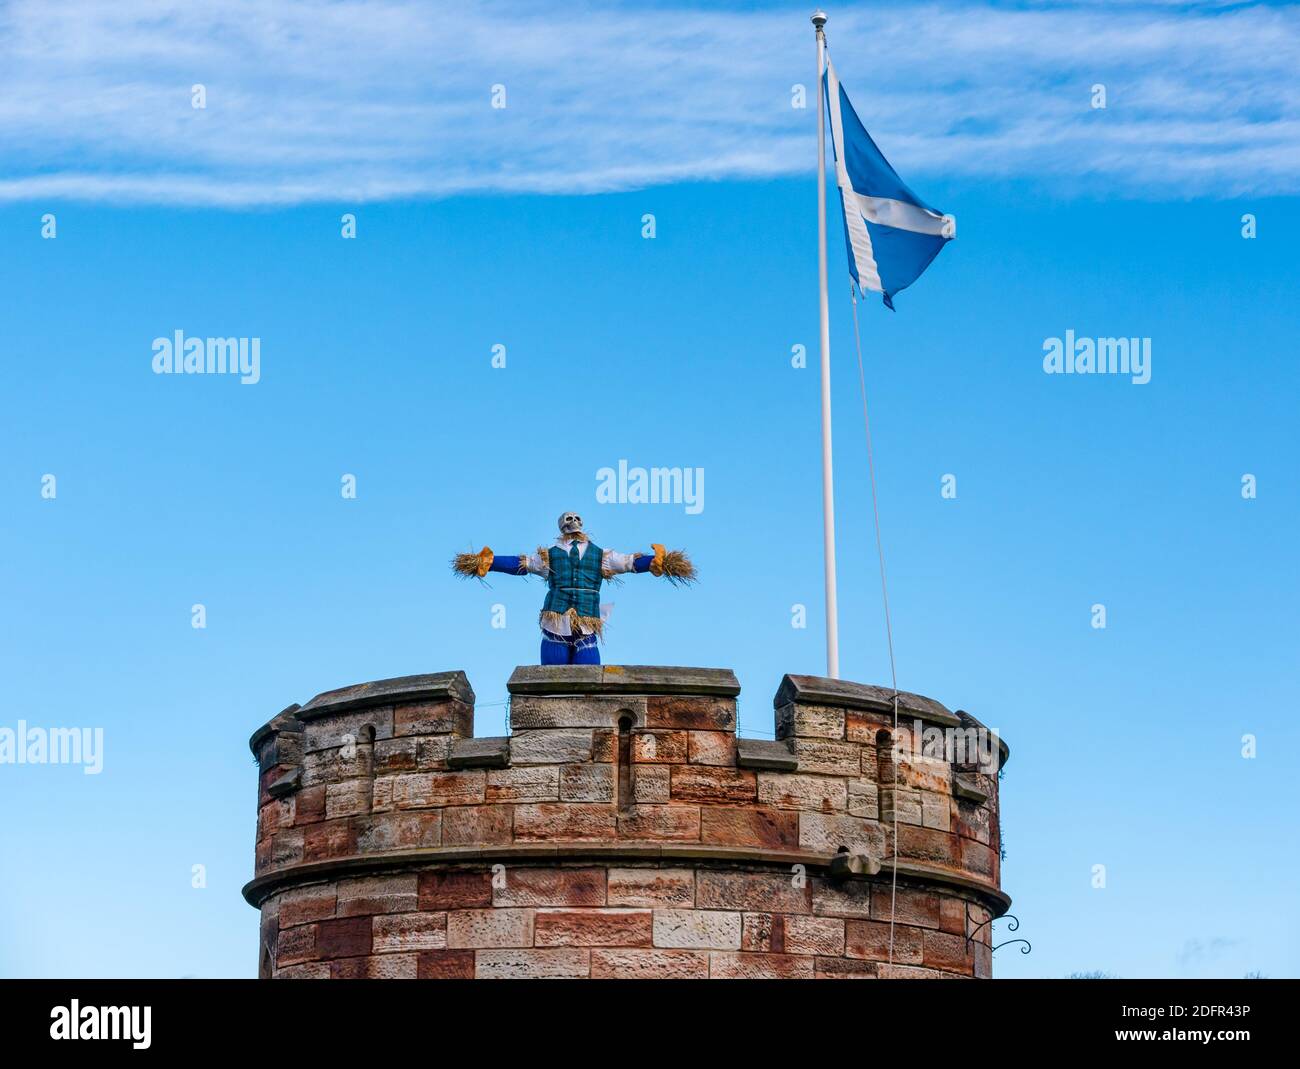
574	583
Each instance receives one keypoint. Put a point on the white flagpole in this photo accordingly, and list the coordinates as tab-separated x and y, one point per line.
828	488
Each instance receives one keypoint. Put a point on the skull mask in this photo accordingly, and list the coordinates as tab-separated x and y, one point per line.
570	524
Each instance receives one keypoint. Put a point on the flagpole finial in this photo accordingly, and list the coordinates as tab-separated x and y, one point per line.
819	19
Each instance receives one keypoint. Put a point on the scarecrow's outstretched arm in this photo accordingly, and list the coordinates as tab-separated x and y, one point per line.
477	565
672	564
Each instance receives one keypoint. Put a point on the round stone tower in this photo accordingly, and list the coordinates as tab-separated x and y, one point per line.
623	830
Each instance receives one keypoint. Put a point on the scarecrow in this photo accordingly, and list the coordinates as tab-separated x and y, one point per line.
574	568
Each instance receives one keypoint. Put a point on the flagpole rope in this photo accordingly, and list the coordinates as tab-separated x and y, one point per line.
884	593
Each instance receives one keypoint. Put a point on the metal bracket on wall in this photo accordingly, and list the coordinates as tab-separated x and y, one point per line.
1013	923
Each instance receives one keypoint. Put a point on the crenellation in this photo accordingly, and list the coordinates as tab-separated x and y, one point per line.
622	829
479	753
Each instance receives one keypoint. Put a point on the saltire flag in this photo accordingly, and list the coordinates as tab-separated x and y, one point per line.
891	234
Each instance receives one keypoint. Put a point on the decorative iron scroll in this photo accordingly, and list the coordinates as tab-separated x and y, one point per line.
1013	923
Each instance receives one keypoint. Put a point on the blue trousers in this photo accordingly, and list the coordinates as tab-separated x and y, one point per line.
570	649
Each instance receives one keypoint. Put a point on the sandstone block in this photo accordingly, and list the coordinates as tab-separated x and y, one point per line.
906	801
274	815
827	758
528	886
694	929
433	718
863	799
935	810
400	831
772	829
587	783
377	894
814	935
394	755
943	950
699	783
979	859
925	844
861	725
454	889
380	967
870	940
416	790
432	753
445	965
757	892
649	965
566	821
295	945
316	970
676	823
289	845
557	963
912	972
474	928
347	799
477	825
787	791
851	898
973	822
952	915
920	908
409	931
740	966
660	747
809	721
309	805
844	969
539	783
650	783
349	937
651	887
604	746
691	714
353	761
328	839
593	927
712	748
592	711
545	747
300	905
828	833
763	932
924	773
325	732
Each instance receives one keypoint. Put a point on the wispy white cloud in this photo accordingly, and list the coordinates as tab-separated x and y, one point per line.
379	99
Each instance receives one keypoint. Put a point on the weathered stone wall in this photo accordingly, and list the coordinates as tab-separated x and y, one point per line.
622	829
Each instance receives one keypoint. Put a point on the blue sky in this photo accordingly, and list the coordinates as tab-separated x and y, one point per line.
376	361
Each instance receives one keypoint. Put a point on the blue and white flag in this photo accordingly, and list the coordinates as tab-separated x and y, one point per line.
891	234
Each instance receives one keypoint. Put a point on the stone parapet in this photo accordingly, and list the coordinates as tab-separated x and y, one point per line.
622	829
